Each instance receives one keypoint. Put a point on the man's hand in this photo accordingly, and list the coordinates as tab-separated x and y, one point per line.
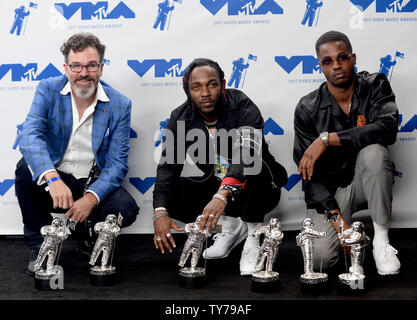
310	156
336	224
163	238
60	193
313	152
82	208
213	211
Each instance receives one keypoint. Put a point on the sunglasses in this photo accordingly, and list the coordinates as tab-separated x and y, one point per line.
341	58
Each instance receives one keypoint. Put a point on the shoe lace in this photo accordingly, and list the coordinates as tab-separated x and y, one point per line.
222	234
389	251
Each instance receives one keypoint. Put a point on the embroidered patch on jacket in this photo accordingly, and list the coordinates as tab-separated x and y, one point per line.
361	120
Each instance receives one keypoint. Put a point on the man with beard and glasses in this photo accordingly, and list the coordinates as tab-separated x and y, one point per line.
75	146
342	131
221	130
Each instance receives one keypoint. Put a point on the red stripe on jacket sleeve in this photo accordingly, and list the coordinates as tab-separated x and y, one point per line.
232	181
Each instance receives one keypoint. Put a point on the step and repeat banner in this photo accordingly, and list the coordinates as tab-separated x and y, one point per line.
265	47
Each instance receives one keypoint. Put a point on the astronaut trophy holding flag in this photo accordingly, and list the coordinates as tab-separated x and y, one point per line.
267	280
193	276
107	233
50	250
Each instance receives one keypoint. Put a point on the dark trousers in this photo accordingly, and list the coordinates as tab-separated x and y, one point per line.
36	204
191	195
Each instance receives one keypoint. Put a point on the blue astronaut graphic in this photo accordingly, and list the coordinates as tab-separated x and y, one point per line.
387	64
161	137
165	9
311	11
20	18
240	67
16	142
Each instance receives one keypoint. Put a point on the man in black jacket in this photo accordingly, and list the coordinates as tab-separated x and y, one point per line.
221	130
342	131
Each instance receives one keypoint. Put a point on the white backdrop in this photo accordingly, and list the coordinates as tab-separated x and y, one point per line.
146	64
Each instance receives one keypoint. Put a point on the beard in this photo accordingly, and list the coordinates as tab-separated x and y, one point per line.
213	113
85	92
344	84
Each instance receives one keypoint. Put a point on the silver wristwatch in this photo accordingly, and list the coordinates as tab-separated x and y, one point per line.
324	137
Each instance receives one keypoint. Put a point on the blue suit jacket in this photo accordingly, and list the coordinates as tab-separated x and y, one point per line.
46	131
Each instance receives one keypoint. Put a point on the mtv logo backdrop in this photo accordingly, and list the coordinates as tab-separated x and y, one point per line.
266	48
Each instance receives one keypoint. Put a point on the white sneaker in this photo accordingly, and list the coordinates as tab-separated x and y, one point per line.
385	258
249	256
224	242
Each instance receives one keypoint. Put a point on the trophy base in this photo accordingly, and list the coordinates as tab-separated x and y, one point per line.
44	279
102	277
264	282
350	284
191	277
43	284
314	283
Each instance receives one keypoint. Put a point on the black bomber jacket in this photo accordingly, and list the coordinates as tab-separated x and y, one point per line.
235	111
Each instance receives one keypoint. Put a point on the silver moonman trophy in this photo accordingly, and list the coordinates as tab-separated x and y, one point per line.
108	231
265	279
193	276
357	240
45	278
311	282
